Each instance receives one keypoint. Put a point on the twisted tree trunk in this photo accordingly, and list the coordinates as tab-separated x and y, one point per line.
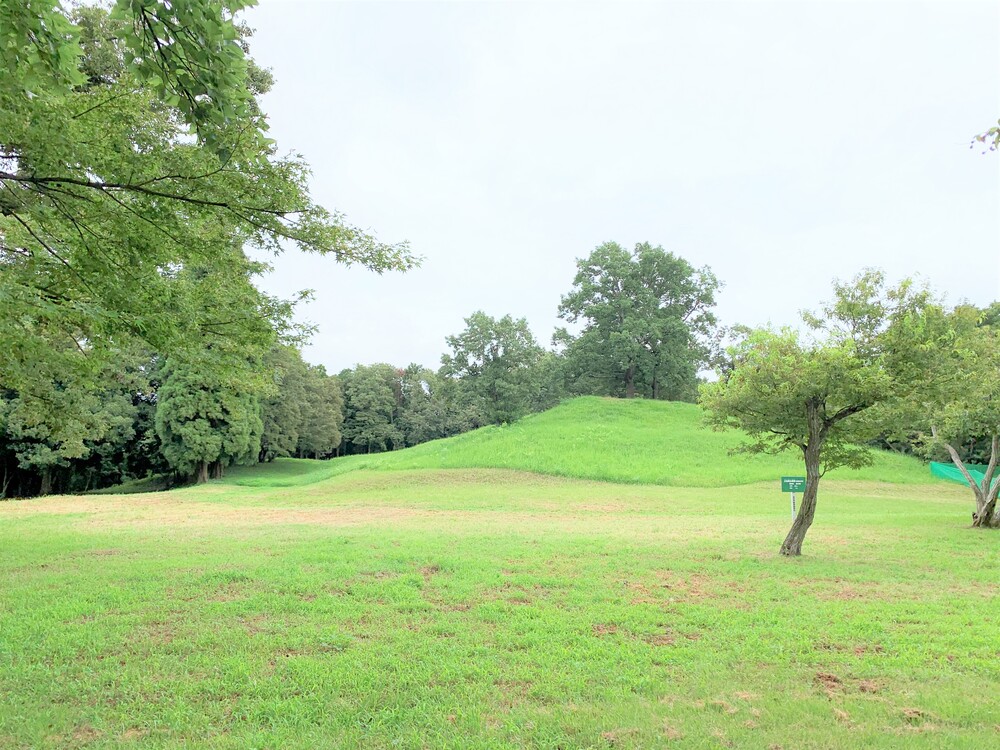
986	492
792	546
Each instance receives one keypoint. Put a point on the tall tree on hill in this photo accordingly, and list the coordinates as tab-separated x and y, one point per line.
813	396
495	360
646	317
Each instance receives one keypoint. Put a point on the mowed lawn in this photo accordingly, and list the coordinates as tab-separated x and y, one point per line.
488	608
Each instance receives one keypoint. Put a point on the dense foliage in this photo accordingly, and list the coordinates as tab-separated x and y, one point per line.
819	395
647	320
135	174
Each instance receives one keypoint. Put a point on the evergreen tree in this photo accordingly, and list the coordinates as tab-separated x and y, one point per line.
204	422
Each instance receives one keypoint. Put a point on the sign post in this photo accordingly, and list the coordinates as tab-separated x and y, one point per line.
793	485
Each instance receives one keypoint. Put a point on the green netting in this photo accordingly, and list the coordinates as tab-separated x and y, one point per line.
951	472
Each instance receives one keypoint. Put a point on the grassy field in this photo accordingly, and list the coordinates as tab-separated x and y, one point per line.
493	608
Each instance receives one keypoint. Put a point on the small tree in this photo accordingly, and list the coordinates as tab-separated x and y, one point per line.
956	407
788	393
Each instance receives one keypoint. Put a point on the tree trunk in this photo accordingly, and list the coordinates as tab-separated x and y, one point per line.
201	474
630	382
217	469
985	515
792	546
46	488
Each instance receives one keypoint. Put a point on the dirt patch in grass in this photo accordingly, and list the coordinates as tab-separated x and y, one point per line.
869	686
612	738
161	632
671	733
829	682
85	733
162	510
512	692
662	639
691	588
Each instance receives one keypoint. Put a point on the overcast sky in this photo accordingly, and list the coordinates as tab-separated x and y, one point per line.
782	144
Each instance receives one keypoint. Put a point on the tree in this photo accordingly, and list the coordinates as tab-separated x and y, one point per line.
786	392
284	411
494	360
646	316
955	408
371	401
323	413
132	148
98	417
206	422
432	406
990	138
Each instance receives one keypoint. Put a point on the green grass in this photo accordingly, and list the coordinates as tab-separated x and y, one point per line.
490	608
612	440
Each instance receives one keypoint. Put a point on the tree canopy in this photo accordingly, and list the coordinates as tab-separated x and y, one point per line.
646	316
495	360
811	395
954	409
134	172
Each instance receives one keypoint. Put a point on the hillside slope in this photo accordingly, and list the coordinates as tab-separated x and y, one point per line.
635	441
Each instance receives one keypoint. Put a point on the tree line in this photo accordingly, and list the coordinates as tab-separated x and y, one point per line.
135	175
645	328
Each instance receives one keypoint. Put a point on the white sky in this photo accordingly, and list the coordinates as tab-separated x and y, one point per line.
782	144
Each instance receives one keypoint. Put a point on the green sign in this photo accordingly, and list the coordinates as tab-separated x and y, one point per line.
793	484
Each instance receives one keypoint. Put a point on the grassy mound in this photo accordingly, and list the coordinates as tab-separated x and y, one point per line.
614	440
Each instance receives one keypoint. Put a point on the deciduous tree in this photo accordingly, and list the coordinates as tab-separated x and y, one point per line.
495	360
646	317
955	408
132	148
810	395
321	431
371	401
